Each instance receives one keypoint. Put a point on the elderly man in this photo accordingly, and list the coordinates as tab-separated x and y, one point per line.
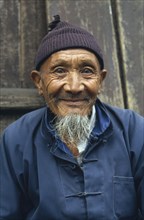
77	158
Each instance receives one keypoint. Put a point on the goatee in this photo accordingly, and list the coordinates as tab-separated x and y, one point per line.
72	129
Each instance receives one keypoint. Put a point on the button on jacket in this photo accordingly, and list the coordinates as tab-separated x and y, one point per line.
41	180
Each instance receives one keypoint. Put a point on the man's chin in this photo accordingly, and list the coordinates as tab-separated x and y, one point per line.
74	111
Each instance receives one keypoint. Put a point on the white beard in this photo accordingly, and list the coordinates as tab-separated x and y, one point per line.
73	128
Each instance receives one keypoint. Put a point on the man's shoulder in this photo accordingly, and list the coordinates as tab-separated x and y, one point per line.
125	118
121	112
25	123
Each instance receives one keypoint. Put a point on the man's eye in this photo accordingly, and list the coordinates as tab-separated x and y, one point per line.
87	71
59	70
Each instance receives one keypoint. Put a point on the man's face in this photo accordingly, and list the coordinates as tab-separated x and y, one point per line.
70	80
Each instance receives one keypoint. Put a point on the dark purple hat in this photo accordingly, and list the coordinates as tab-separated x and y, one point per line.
63	35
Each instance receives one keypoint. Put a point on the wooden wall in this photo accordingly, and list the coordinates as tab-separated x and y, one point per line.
118	26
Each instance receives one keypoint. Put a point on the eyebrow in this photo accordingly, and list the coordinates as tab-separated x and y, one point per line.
83	62
59	62
88	63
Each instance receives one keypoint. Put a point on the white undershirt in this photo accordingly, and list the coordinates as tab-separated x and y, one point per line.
82	145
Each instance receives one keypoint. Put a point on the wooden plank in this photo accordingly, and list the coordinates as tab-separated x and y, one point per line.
32	29
131	30
95	16
20	99
23	24
9	43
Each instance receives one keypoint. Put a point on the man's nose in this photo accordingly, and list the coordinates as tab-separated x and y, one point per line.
74	83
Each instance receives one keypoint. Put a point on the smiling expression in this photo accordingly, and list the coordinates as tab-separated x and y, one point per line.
70	81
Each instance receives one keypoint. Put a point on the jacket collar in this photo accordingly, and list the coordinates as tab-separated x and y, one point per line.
102	128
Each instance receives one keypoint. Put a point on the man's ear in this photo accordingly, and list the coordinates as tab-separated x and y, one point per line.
103	74
36	77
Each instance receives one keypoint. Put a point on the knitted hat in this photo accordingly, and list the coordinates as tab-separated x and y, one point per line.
63	35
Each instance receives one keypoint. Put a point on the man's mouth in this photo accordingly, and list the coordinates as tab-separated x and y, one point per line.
74	101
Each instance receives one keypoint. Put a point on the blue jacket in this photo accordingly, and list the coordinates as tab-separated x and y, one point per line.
41	180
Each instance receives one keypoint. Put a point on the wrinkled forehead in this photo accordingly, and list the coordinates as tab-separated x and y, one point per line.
71	56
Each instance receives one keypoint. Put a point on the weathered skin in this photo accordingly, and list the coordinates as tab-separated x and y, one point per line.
70	81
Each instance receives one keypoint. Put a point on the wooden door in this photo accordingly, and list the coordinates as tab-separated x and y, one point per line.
118	26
